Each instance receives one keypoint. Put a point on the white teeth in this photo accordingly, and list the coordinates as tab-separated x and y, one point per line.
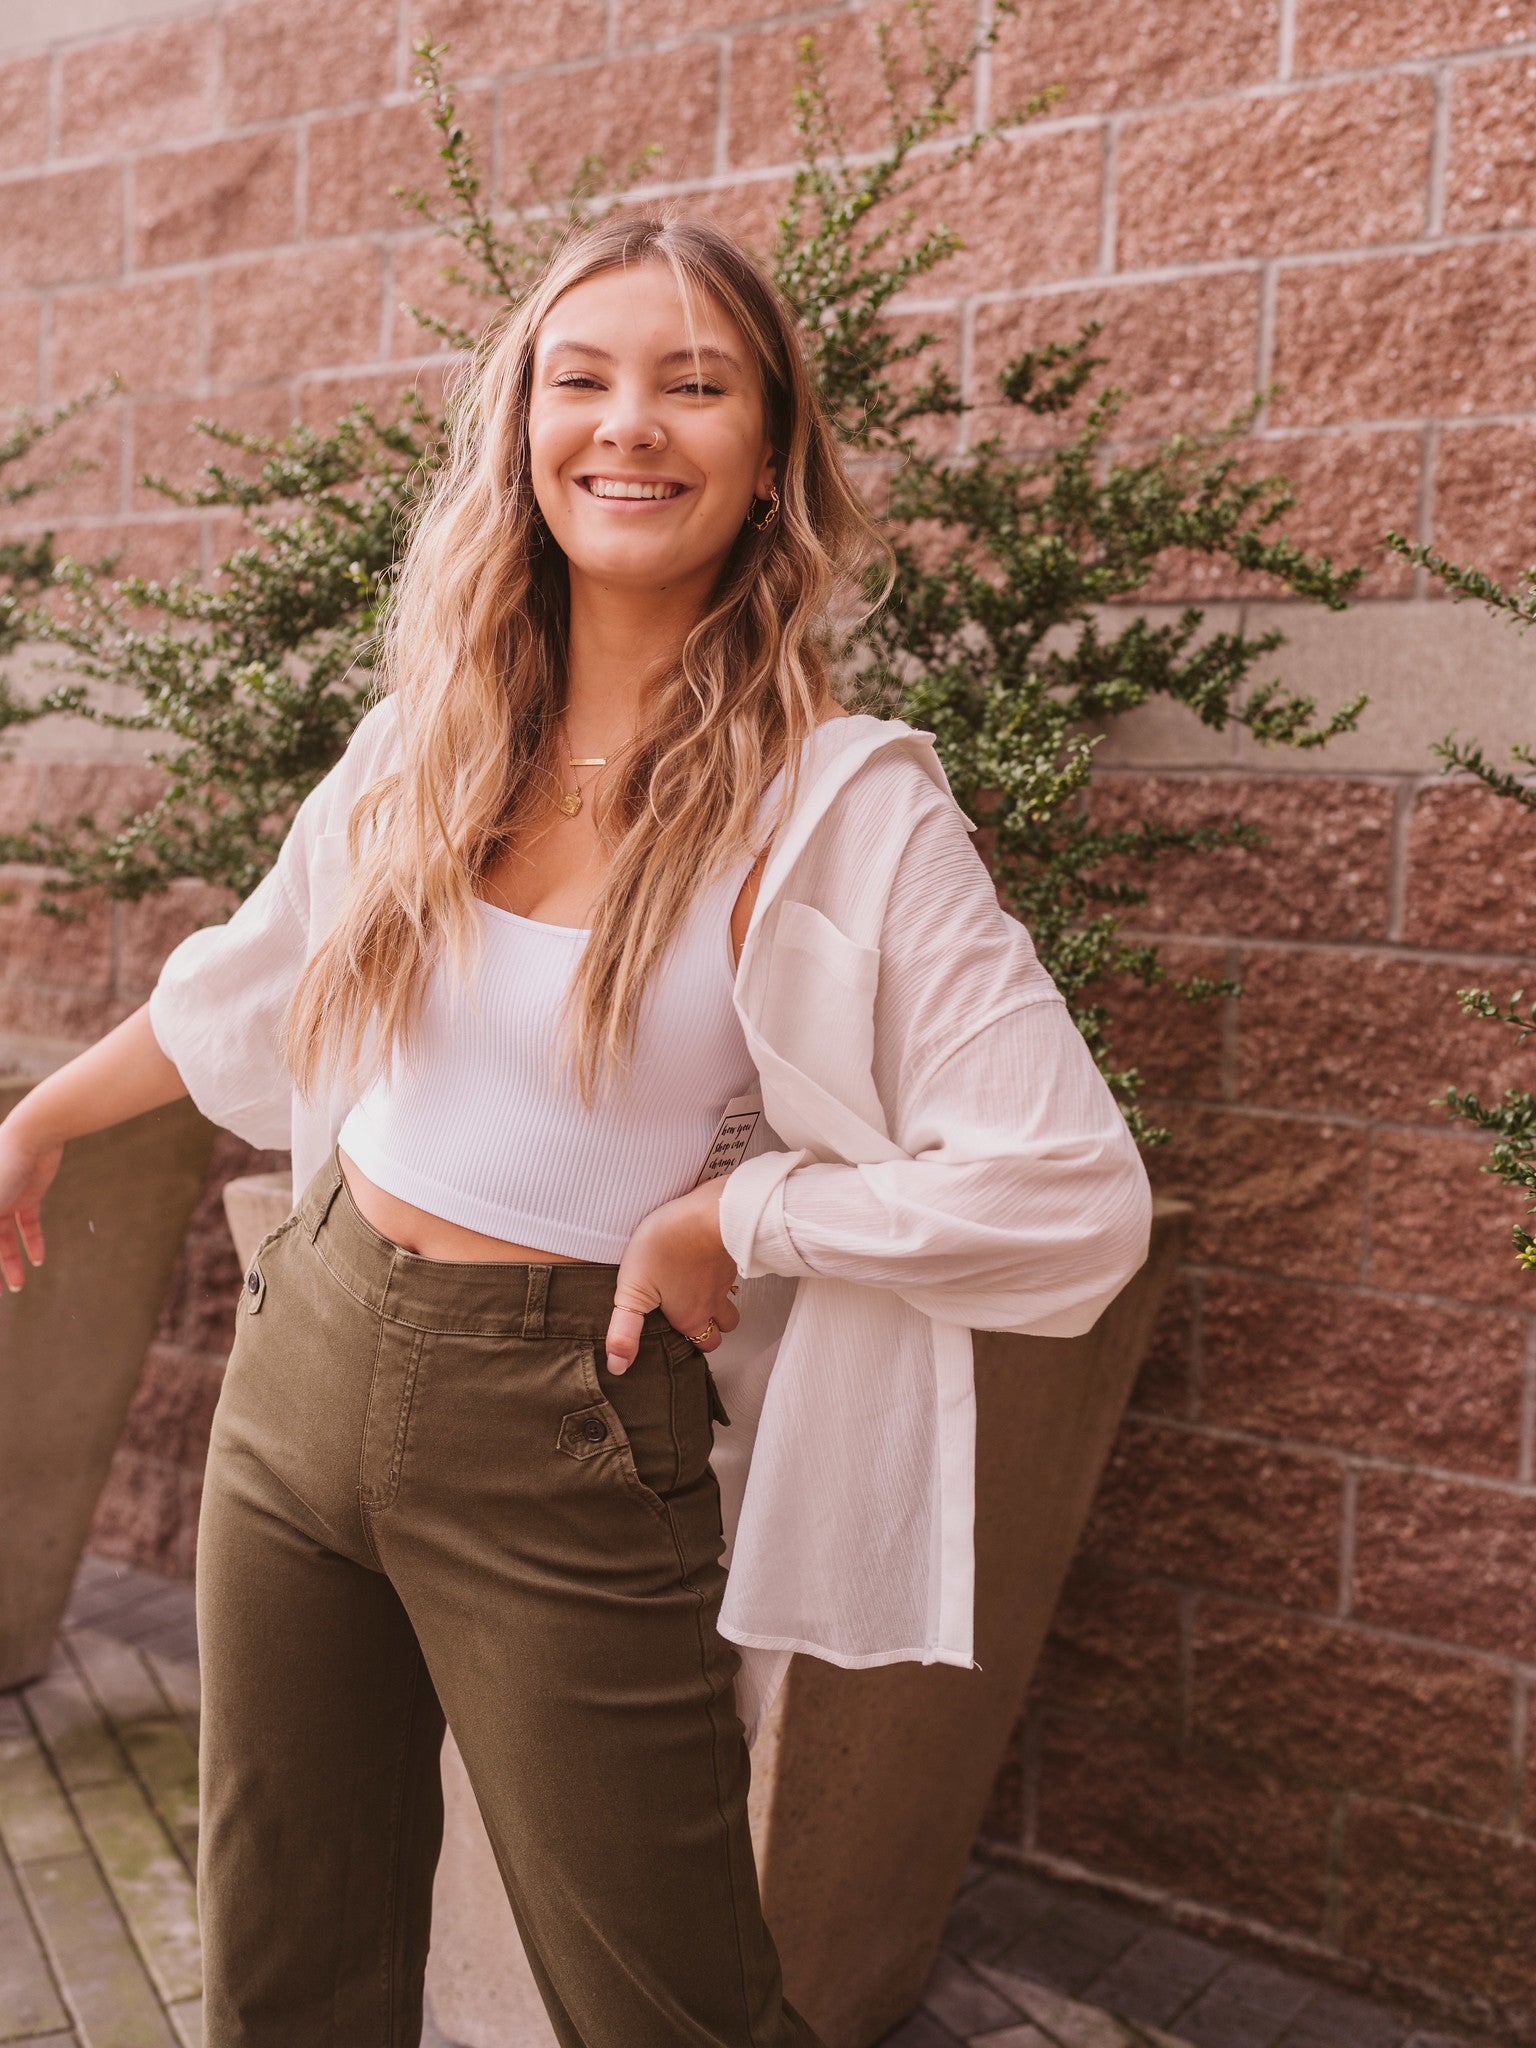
607	487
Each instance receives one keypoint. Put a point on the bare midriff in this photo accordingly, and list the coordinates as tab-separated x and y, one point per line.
428	1236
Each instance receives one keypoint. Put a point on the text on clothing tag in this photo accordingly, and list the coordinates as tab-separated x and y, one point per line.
732	1136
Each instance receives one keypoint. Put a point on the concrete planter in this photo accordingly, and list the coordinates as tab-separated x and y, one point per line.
868	1786
72	1344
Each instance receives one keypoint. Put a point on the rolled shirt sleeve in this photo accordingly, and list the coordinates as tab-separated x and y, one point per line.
1021	1202
220	1004
218	1007
1025	1205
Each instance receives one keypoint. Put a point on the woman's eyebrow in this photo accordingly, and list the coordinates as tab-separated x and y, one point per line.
706	352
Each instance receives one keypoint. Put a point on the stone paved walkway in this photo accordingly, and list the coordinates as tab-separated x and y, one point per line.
98	1939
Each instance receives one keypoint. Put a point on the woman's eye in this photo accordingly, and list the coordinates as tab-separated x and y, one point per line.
696	389
577	380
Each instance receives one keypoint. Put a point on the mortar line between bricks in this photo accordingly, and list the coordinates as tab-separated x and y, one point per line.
1247	266
1519	1725
386	295
1527	1465
44	338
1264	344
1356	1624
402	45
1453	60
982	16
1347	1539
1332	1454
1368	1290
1424	508
1240	772
967	358
125	409
1109	165
1343	949
1032	133
1439	147
1285	40
722	141
1405	799
1251	266
1313	1119
1367	1206
126	268
54	91
301	185
811	18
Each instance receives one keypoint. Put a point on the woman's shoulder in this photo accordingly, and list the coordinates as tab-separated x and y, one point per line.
375	736
370	752
893	768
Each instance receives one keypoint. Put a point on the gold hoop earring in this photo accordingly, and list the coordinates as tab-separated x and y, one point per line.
762	525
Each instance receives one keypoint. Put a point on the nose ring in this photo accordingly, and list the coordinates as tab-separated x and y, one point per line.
655	440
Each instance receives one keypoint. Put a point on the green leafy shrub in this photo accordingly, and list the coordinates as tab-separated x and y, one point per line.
1009	633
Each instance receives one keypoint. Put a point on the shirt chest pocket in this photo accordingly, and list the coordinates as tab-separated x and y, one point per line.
819	1006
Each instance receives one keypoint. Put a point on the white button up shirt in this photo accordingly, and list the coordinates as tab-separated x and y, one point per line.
938	1153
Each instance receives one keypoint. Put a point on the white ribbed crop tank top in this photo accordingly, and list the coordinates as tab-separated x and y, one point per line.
483	1127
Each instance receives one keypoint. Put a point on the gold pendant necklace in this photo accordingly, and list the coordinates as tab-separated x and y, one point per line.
570	804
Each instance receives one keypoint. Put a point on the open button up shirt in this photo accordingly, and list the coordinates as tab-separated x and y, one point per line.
938	1153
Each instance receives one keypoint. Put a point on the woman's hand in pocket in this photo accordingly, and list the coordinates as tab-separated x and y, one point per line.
675	1261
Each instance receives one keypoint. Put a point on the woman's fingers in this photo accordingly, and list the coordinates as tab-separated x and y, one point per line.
29	1225
10	1255
623	1339
675	1261
634	1296
25	1173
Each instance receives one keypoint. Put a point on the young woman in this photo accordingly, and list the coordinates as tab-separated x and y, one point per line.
654	1055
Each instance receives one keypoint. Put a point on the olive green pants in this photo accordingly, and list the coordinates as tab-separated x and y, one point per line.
427	1495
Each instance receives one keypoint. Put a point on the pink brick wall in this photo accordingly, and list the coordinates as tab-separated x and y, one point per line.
1291	1678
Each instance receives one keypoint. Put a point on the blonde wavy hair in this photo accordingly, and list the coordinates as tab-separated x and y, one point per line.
474	652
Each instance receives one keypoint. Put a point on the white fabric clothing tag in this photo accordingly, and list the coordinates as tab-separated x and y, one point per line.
732	1136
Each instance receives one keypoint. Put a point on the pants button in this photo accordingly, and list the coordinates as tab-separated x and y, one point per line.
594	1429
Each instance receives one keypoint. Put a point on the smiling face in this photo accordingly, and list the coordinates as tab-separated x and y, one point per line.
649	439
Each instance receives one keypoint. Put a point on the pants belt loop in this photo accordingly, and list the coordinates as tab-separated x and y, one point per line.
315	1205
538	1294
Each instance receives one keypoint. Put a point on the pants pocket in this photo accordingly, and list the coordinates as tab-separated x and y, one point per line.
658	1416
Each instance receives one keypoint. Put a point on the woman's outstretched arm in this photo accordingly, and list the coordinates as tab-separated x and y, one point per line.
123	1074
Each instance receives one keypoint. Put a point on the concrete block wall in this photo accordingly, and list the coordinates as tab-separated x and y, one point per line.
1290	1684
